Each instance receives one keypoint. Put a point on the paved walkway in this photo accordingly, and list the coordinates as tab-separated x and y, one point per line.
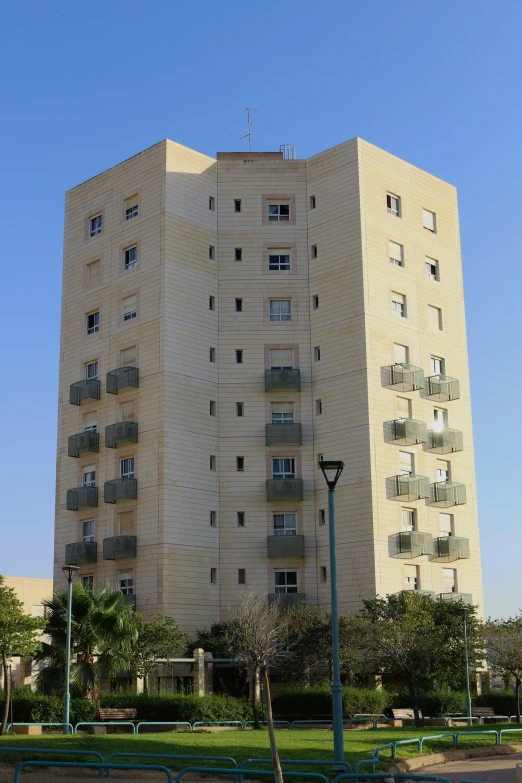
495	769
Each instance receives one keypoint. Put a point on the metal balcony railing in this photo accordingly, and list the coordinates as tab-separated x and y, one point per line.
279	380
122	432
118	547
406	377
445	441
466	598
443	388
410	487
88	389
407	432
450	548
81	552
82	497
285	546
286	600
447	493
284	489
283	433
414	544
120	489
82	442
122	377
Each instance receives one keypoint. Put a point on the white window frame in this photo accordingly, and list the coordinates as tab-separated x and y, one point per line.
283	468
126	583
88	365
279	366
95	225
131	212
402	471
442	532
129	314
444	474
409	519
87	581
396	261
429	217
437	365
89	476
88	530
446	586
130	258
95	322
282	416
280	310
278	212
431	264
127	468
289	521
411	580
279	262
284	587
393	204
399	308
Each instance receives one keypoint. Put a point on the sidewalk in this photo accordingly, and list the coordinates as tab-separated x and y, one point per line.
495	769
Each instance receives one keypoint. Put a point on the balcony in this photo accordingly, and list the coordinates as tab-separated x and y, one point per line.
443	388
445	441
412	544
466	598
120	489
284	489
286	600
123	432
406	377
280	380
118	547
449	548
82	497
429	593
283	433
122	377
81	552
84	441
407	432
88	389
285	546
447	493
409	487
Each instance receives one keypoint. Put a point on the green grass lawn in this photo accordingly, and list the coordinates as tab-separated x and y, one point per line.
297	744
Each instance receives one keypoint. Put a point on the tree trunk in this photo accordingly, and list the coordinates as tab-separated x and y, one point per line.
146	683
7	695
517	697
255	707
278	774
414	702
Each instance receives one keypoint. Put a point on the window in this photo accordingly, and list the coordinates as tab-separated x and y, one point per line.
211	203
91	370
283	467
240	408
285	582
280	310
212	462
411	577
437	365
281	359
129	308
89	476
95	225
400	354
88	530
393	204
87	582
312	202
131	207
93	273
282	413
315	302
285	524
90	422
128	411
322	516
409	519
318	407
239	305
396	253
213	576
128	356
126	523
212	354
240	516
212	408
212	519
403	408
237	205
317	354
211	252
323	574
449	580
239	357
443	470
240	464
405	463
93	322
278	260
434	318
440	417
446	524
399	305
278	212
238	253
127	468
241	576
320	458
313	251
211	303
126	582
130	257
432	268
429	221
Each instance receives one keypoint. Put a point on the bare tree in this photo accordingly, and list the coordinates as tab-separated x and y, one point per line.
259	633
504	650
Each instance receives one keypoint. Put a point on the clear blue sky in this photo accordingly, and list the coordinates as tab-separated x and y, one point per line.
86	85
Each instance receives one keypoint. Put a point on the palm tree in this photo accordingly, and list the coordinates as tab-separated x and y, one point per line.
102	635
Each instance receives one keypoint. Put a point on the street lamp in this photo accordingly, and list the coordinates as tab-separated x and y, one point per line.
465	635
332	470
70	572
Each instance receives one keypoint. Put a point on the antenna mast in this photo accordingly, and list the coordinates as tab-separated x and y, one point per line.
249	135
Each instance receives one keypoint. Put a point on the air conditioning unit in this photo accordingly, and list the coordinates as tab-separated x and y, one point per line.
283	376
120	430
83	441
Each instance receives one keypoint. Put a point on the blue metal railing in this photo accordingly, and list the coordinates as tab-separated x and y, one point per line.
106	723
163	723
36	723
88	765
256	772
171	757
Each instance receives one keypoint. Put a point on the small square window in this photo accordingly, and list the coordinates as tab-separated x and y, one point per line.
399	305
429	221
238	253
212	408
129	308
317	354
212	354
278	260
213	576
323	574
278	212
285	524
239	357
280	310
315	302
212	462
241	576
314	251
322	516
95	225
432	268
237	205
396	253
130	257
212	519
240	516
240	464
93	322
318	407
393	204
211	203
312	202
240	408
239	305
211	303
211	252
91	370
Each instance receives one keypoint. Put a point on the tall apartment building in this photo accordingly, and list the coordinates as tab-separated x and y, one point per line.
225	323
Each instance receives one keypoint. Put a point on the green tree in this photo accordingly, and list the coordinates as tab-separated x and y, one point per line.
103	634
229	679
159	637
503	640
18	638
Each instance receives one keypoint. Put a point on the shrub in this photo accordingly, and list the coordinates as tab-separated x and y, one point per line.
503	702
174	707
442	702
294	700
82	710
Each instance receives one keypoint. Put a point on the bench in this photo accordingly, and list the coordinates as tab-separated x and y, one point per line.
401	715
486	714
116	715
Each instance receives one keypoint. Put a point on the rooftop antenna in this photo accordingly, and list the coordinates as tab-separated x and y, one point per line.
249	135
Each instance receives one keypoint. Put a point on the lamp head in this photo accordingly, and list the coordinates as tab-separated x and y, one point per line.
331	469
70	572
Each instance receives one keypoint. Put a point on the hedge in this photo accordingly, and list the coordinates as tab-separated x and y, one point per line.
503	702
30	707
173	707
296	701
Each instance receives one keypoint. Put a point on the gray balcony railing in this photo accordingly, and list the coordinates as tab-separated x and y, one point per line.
414	544
445	442
122	432
410	487
130	600
118	547
466	598
88	389
429	593
450	548
447	493
122	377
279	380
284	489
82	497
406	377
286	600
443	388
81	552
82	442
285	546
283	433
407	432
120	489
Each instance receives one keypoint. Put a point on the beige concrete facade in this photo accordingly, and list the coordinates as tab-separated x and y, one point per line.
202	290
31	591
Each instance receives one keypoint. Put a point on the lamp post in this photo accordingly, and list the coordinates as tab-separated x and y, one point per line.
466	660
70	572
332	469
